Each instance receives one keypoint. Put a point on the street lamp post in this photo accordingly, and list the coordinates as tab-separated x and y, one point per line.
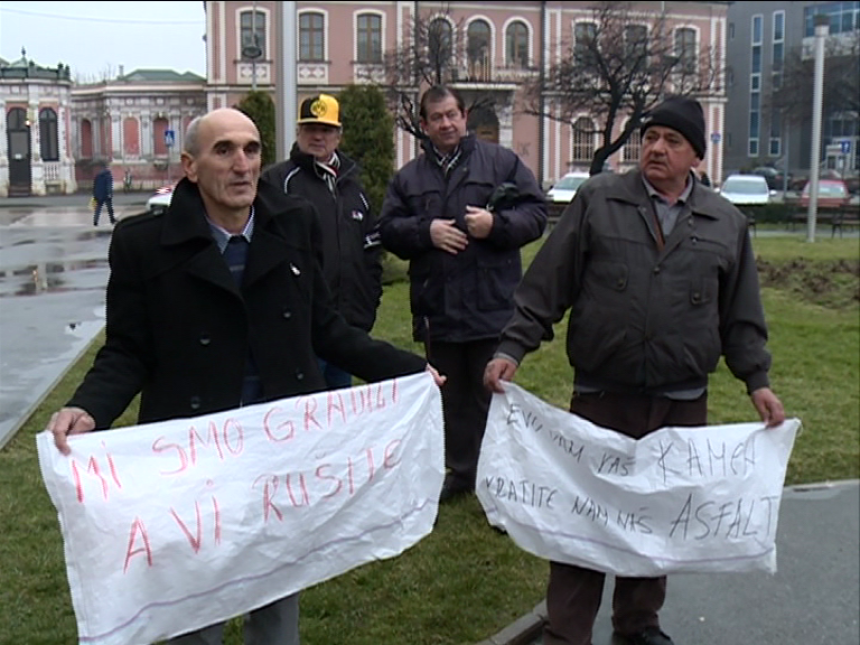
285	86
822	28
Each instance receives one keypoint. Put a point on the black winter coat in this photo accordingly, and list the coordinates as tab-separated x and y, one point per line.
467	296
352	255
178	329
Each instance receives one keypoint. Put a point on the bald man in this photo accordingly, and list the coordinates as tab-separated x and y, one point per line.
185	290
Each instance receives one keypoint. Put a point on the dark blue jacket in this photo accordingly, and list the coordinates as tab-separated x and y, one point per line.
103	185
467	296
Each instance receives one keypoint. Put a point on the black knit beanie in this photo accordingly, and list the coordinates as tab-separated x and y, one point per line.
682	114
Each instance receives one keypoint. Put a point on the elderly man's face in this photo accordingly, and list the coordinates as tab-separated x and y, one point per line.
318	140
226	166
666	155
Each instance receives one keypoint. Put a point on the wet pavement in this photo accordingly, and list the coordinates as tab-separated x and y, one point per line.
53	272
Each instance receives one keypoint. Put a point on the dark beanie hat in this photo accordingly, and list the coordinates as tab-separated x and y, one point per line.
682	114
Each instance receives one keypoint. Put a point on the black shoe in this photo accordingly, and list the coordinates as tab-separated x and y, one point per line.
452	489
649	636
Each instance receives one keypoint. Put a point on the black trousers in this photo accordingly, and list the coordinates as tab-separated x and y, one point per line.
99	204
465	402
574	593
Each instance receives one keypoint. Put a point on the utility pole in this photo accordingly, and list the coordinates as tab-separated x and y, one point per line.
255	44
822	29
286	77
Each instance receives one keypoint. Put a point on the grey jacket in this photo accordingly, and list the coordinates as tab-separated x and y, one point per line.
643	320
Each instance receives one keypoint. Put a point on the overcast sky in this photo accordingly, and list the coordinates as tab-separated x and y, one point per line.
95	38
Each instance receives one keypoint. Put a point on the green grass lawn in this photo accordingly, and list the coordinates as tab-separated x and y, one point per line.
465	582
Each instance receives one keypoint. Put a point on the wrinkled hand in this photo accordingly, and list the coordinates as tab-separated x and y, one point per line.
769	406
437	377
479	222
447	237
69	421
498	370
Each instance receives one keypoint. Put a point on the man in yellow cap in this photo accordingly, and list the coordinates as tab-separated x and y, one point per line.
352	256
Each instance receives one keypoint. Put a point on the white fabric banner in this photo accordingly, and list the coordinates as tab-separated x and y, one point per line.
173	526
681	499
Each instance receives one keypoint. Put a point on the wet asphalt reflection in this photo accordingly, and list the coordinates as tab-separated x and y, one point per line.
53	273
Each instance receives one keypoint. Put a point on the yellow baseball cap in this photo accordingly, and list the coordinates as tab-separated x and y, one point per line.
321	108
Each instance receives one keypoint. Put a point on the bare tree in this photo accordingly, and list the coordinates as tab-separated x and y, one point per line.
792	93
431	56
620	64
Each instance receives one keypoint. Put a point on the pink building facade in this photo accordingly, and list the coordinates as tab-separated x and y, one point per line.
496	48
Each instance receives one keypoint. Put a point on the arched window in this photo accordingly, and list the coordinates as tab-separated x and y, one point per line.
584	43
685	49
311	37
369	38
633	147
440	42
583	141
478	49
517	45
253	26
49	140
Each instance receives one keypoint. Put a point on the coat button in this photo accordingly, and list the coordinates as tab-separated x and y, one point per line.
205	340
620	283
195	402
299	375
288	314
656	270
697	298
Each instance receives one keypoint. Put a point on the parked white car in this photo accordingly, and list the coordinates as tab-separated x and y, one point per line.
565	188
159	202
746	190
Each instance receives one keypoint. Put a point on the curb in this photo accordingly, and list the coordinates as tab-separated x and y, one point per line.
523	631
25	415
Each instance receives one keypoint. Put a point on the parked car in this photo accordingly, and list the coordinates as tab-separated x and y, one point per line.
773	176
159	202
566	187
832	193
746	190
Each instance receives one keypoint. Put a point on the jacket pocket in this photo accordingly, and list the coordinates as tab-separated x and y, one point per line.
427	203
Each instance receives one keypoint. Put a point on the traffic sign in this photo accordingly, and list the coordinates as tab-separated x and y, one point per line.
716	137
169	138
845	146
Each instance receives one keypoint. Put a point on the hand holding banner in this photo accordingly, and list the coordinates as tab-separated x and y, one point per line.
173	526
679	499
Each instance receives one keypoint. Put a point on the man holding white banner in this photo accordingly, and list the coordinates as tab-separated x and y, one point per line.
217	304
660	279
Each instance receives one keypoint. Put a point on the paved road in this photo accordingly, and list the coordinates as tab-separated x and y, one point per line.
813	599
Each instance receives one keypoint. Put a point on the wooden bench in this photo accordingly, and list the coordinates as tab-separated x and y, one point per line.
846	215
